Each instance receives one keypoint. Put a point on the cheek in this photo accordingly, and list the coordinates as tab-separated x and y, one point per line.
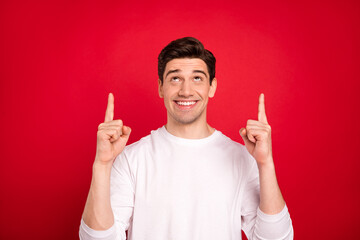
203	91
168	96
169	92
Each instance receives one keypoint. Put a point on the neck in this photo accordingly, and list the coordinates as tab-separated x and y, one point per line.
195	130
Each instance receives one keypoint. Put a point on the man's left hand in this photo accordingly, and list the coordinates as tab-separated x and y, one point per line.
257	136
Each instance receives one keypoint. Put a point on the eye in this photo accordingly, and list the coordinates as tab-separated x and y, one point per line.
197	79
175	79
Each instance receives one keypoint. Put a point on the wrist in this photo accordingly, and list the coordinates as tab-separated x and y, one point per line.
267	165
100	166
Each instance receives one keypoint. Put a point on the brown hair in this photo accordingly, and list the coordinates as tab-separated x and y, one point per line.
187	47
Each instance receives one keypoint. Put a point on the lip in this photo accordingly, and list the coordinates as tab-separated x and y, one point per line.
185	107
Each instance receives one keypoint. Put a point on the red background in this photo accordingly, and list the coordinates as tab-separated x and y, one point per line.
59	60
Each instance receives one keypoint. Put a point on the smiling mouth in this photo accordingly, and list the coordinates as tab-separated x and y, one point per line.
188	103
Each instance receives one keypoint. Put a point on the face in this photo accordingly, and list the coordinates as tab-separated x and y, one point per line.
186	90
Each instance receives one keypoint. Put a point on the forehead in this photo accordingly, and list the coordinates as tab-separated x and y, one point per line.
186	64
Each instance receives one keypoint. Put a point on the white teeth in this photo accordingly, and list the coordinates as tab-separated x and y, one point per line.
186	103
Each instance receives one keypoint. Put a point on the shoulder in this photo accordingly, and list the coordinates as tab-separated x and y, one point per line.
235	149
132	152
228	143
143	142
143	145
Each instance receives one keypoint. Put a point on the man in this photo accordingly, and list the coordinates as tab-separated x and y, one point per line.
185	180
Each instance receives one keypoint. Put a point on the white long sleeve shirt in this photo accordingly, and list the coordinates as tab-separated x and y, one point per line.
164	187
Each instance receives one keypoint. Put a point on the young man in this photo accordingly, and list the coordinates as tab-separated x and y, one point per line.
185	180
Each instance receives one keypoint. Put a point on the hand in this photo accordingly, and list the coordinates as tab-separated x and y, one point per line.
112	136
257	136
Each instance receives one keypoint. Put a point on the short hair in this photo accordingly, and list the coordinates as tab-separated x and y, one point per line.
187	47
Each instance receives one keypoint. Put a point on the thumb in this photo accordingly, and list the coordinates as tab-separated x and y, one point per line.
126	132
244	136
120	144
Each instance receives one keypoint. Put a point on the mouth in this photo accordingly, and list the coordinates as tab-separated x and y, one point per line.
186	104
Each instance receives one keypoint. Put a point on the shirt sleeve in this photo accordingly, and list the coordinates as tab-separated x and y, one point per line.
86	233
277	226
122	203
257	224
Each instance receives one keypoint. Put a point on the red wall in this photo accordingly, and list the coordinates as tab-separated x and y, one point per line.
58	61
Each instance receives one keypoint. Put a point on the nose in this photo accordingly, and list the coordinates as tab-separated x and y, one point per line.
186	89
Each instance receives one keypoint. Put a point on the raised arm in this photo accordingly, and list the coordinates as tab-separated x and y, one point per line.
257	139
273	220
112	137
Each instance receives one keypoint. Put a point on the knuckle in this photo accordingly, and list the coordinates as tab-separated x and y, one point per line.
100	135
113	134
268	128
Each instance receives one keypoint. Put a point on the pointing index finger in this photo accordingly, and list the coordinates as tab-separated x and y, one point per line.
109	114
261	113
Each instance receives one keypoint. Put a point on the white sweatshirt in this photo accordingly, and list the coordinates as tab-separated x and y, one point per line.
164	187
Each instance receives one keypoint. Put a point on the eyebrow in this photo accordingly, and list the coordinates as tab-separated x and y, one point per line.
172	71
200	71
178	70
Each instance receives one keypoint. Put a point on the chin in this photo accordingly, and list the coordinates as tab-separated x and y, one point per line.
186	120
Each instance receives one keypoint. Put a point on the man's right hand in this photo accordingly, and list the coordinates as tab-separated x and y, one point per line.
112	136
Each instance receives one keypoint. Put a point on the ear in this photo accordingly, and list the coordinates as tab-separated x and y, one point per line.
213	88
161	94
